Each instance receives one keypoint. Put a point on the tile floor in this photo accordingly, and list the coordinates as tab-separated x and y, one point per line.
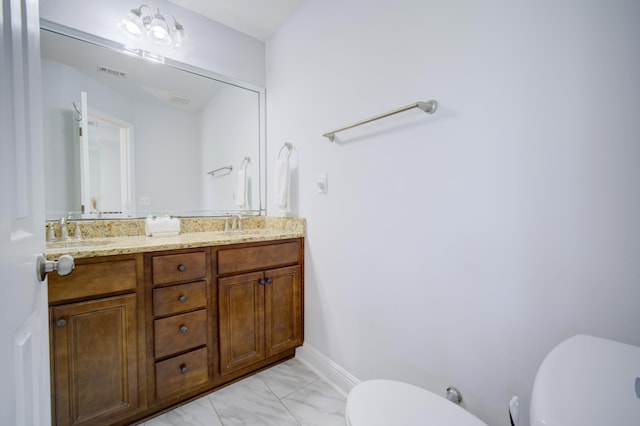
287	394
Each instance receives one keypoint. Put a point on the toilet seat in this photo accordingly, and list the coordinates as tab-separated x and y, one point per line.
388	402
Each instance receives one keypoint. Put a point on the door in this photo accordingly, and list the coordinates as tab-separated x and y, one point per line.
105	163
24	344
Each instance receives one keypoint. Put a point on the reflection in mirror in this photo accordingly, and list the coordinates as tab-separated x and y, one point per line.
105	169
149	134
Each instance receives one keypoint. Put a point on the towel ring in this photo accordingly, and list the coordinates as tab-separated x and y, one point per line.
289	148
245	162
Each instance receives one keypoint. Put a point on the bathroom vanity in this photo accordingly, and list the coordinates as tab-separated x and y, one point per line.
144	324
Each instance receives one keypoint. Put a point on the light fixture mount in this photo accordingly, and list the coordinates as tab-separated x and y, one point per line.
143	20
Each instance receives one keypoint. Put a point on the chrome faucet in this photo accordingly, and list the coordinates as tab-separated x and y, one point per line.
237	225
64	231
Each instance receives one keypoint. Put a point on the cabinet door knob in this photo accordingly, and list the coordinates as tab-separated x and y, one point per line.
183	329
269	280
184	369
182	298
262	282
182	268
61	322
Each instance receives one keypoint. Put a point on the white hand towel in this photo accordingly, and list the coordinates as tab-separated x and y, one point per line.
241	189
161	226
282	185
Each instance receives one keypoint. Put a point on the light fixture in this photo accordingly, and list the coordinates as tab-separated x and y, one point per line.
142	20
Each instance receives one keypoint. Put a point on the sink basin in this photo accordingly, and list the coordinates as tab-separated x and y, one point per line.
241	233
76	243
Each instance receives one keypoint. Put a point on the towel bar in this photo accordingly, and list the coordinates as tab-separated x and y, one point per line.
213	172
429	107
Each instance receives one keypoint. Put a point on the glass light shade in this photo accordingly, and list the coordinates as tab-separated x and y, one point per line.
133	22
180	39
158	30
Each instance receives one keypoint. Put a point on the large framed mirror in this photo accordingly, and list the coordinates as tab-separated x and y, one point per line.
128	134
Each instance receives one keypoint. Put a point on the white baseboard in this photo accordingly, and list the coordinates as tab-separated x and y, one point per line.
334	374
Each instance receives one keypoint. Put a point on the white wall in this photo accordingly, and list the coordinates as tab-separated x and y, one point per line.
459	248
167	140
214	46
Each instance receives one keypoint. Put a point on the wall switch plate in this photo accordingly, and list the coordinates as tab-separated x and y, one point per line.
321	183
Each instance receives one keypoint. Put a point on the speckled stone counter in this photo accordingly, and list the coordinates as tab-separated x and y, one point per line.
111	237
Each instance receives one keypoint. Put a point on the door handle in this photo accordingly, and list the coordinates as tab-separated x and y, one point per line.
64	265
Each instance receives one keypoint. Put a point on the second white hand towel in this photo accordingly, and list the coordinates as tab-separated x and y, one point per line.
241	189
282	190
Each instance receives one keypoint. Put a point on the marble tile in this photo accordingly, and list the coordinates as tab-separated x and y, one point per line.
250	403
317	404
196	413
287	394
288	377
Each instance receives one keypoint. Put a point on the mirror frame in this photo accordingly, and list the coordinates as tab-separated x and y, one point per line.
184	67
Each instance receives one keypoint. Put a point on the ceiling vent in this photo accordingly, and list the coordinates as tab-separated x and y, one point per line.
179	100
111	71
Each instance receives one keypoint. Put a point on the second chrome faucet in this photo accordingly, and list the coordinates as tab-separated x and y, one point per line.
236	223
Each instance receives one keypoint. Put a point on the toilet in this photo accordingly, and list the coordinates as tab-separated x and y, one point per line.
584	381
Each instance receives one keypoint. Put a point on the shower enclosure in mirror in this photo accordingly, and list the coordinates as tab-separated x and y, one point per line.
127	137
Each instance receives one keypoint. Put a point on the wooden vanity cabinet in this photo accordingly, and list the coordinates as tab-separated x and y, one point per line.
95	341
260	303
134	335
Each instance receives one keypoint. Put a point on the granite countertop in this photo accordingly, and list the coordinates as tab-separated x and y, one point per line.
107	245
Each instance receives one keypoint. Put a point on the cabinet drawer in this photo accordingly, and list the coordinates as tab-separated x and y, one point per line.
260	257
179	298
180	333
179	267
182	373
93	279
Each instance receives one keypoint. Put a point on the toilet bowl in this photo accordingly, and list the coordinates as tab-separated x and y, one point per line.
387	402
584	381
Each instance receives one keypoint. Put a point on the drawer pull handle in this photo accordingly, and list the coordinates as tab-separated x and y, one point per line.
184	369
183	329
262	282
182	268
61	322
182	299
269	280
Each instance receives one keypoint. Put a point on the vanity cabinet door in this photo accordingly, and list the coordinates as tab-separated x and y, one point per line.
94	360
283	309
241	321
260	315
